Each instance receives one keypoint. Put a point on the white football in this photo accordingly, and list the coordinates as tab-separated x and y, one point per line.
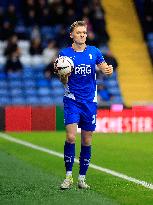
64	65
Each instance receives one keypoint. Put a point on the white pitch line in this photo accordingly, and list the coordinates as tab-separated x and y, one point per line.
51	152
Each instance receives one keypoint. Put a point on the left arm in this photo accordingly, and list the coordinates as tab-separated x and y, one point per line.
105	68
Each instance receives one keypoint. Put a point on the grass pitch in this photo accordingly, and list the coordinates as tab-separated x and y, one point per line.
29	176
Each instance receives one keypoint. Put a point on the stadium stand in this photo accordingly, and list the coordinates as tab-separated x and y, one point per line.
135	69
145	13
40	27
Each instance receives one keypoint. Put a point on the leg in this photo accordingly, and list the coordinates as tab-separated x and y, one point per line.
69	147
71	119
69	154
85	154
87	125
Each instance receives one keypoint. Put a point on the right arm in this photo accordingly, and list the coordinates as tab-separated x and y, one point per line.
64	78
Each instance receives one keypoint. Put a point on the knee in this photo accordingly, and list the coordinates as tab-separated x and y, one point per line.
86	138
86	141
70	138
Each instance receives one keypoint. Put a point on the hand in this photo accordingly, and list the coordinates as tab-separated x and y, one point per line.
55	68
108	70
64	78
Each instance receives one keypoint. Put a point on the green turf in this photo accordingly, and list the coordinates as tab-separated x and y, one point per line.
24	183
33	177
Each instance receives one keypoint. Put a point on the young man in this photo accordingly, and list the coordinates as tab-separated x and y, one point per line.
80	100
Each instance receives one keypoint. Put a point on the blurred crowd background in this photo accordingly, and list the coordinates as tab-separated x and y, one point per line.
33	31
145	12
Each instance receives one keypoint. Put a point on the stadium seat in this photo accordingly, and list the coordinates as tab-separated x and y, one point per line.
24	47
18	101
150	46
57	92
2	60
21	30
30	91
25	59
32	100
46	100
16	91
41	66
5	100
56	83
42	83
15	83
3	91
44	91
37	61
38	73
3	83
28	72
23	44
29	83
56	29
60	91
48	33
2	76
150	36
58	100
1	67
14	75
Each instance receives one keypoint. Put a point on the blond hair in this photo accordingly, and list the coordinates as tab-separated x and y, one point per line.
76	24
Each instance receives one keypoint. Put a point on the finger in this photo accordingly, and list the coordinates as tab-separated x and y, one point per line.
108	71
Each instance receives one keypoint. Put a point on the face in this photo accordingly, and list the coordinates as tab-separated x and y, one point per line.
79	35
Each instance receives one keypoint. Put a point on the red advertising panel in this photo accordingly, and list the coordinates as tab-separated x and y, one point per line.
127	120
43	118
18	118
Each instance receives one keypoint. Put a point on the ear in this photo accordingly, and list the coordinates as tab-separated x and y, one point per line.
71	35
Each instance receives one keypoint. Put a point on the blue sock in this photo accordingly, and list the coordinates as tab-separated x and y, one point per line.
69	154
85	155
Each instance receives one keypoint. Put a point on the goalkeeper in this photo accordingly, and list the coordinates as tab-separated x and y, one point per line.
80	100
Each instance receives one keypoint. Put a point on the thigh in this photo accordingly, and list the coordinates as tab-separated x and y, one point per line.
88	116
71	130
71	112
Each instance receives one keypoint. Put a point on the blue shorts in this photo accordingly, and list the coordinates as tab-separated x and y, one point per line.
82	113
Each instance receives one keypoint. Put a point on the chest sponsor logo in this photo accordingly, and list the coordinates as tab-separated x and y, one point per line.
83	69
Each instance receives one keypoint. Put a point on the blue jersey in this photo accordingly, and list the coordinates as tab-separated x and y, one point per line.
81	85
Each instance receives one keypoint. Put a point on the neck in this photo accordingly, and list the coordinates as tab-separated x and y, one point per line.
78	47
